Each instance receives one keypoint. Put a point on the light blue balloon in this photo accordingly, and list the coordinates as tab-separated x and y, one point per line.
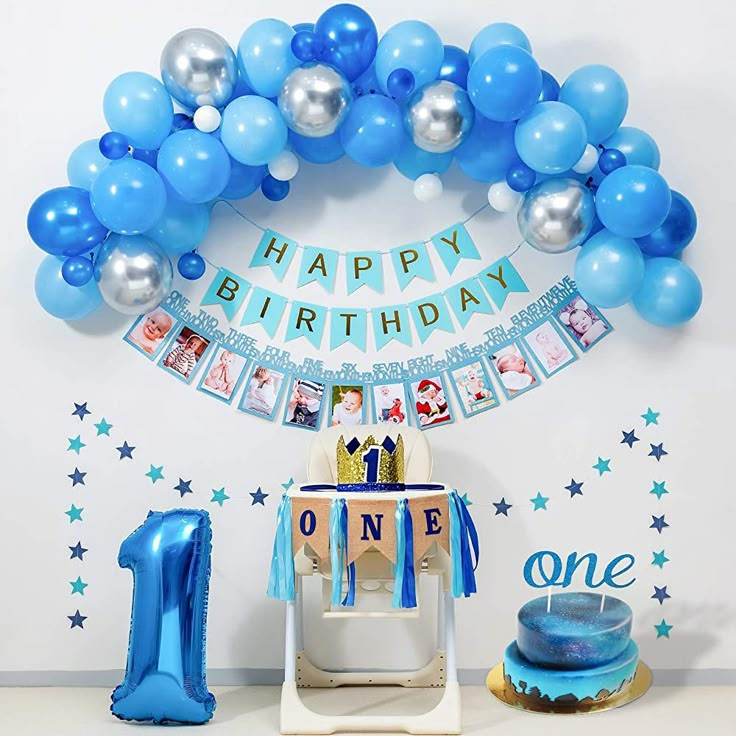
138	106
670	293
182	227
412	45
609	269
372	131
413	161
60	299
638	147
253	131
599	94
497	34
324	150
551	138
488	151
85	163
265	56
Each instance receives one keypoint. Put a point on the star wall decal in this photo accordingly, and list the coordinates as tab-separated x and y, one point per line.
184	487
219	496
103	427
155	473
576	489
125	450
502	507
259	497
81	411
77	477
650	416
78	551
661	594
658	451
658	489
663	629
77	620
464	498
539	501
74	514
629	438
658	523
78	586
75	444
659	559
602	466
289	483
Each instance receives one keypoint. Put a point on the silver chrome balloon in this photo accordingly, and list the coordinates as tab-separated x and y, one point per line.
556	215
133	273
198	67
314	99
439	116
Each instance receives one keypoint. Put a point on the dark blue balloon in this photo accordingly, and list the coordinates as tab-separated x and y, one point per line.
77	270
610	160
520	177
400	84
486	154
347	38
455	66
191	266
181	121
244	180
322	150
113	145
675	233
304	45
148	157
550	88
366	83
274	189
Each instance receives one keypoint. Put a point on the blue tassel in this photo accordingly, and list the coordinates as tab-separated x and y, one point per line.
400	555
336	552
349	599
409	587
463	536
281	578
456	555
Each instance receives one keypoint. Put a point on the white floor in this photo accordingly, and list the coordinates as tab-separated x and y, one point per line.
253	711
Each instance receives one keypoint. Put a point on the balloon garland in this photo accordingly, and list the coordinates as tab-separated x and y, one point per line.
141	195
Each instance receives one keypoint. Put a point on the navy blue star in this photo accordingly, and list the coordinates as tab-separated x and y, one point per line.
125	450
78	551
259	497
81	411
183	487
576	489
502	507
660	594
77	477
77	620
657	451
629	438
658	523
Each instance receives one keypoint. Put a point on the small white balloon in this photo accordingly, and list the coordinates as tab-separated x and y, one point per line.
284	167
427	187
207	119
587	161
502	197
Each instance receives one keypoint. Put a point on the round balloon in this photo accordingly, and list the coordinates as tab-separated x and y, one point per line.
372	131
550	88
273	189
77	270
414	162
182	226
60	299
244	180
455	66
488	151
85	163
675	233
638	147
323	150
265	55
670	293
497	34
191	266
253	131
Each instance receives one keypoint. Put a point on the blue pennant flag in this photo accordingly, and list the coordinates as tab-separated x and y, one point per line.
430	314
320	265
412	261
391	323
500	279
348	325
266	309
306	320
454	244
364	267
466	299
276	251
228	290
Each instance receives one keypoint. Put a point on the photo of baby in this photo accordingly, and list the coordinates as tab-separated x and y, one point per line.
583	322
223	374
304	408
346	407
513	370
263	392
473	388
389	403
549	347
430	402
187	351
149	331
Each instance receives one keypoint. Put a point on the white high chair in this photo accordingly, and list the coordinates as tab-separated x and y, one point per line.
373	574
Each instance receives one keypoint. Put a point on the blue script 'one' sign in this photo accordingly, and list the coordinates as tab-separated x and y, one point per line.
546	568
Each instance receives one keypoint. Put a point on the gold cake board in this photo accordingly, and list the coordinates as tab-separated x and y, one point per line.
496	683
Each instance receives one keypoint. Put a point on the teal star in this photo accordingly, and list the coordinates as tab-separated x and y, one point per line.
74	514
219	496
155	473
78	586
75	444
659	559
659	490
650	417
464	498
602	466
539	501
103	427
289	483
663	629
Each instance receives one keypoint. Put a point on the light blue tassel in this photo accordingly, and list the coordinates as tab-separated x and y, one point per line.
456	552
400	556
337	550
281	579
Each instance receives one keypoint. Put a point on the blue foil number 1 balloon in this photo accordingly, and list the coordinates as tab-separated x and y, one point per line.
169	555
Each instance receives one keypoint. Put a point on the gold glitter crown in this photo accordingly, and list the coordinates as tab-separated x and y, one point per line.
357	471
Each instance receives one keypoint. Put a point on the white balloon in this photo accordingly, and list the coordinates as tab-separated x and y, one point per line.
207	118
284	167
587	161
502	197
427	187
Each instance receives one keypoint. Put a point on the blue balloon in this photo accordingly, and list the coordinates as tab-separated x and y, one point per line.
77	270
148	157
599	94
195	165
182	226
253	131
304	46
347	39
62	222
366	83
303	27
497	34
633	201
128	196
610	160
372	131
265	56
675	233
244	180
400	84
182	121
322	150
165	677
114	146
550	88
191	266
60	299
488	151
455	66
138	106
520	177
504	84
551	138
274	189
670	293
608	269
638	147
411	45
413	161
85	162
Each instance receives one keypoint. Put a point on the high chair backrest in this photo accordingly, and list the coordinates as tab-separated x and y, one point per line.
322	460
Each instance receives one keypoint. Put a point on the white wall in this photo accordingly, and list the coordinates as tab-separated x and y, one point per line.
57	60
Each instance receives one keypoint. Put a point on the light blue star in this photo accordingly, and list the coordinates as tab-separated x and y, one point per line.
659	559
74	514
539	501
464	498
78	586
663	629
602	466
659	490
289	483
76	444
103	427
155	473
650	416
219	496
